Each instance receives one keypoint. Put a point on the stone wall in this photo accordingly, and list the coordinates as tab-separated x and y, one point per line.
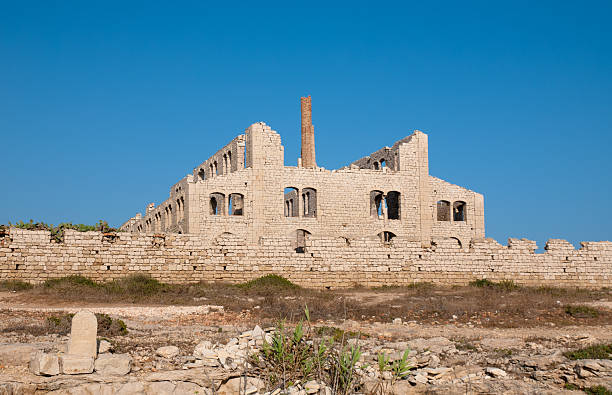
326	262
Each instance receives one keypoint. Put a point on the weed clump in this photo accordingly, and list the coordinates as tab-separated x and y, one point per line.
597	351
581	311
14	285
504	285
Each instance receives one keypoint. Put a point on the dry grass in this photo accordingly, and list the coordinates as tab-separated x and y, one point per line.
484	304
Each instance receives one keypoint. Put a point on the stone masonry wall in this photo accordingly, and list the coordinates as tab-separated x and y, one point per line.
326	262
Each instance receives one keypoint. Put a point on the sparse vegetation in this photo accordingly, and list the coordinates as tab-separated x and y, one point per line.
298	355
423	302
597	351
57	231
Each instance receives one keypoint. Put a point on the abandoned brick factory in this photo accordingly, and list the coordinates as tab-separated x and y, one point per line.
246	190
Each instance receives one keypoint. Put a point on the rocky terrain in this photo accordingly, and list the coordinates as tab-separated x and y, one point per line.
207	349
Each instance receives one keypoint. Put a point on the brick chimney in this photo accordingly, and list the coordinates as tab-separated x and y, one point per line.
308	143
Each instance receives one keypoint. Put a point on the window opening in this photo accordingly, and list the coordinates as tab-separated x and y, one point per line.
291	196
443	208
459	211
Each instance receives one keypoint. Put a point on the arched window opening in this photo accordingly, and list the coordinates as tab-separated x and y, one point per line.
301	237
212	170
376	206
292	202
202	174
229	161
217	200
386	237
383	164
459	211
443	208
216	168
376	166
236	204
309	202
393	205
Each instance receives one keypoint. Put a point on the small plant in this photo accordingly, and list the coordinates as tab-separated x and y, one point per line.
581	311
597	351
342	368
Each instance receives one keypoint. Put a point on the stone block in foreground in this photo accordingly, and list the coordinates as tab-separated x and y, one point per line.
113	364
76	364
43	364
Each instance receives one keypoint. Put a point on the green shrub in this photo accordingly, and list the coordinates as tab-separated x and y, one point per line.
110	327
269	281
70	281
483	282
597	351
581	311
14	285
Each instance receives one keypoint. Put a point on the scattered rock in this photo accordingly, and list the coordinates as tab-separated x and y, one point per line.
168	351
104	346
235	385
495	372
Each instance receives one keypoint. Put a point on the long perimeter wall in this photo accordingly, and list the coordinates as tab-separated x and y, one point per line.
335	263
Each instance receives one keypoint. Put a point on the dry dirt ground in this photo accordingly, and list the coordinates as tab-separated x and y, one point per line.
456	337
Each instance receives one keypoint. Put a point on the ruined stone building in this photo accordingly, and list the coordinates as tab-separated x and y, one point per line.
246	191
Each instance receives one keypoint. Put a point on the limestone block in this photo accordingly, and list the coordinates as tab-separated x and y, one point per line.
113	364
76	364
43	364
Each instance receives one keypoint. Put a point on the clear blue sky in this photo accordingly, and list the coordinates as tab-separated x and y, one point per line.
104	105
